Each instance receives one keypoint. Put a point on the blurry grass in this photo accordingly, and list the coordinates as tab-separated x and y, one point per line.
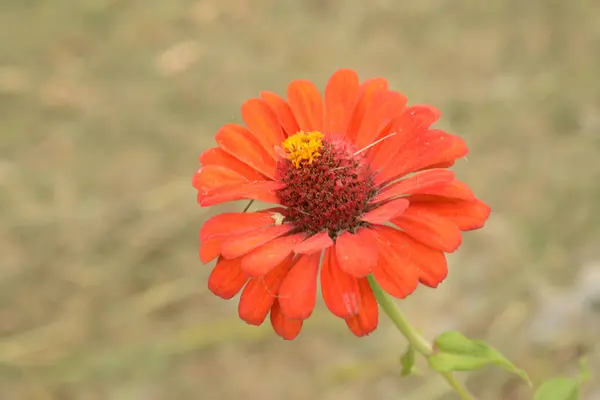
106	104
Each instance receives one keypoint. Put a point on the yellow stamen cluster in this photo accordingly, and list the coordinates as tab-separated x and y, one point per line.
303	147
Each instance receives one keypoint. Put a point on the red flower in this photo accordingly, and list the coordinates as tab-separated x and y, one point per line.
338	167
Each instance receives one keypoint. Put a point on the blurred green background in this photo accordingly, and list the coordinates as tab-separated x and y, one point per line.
105	106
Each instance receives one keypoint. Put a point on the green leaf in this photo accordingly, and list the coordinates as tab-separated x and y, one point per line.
455	352
408	361
563	388
558	389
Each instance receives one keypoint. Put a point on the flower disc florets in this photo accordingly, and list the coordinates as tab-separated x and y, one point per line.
328	185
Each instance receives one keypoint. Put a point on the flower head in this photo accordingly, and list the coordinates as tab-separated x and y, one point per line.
361	186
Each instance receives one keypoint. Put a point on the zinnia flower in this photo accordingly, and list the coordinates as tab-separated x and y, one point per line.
362	186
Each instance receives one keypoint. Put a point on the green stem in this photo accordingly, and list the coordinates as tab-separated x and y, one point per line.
418	342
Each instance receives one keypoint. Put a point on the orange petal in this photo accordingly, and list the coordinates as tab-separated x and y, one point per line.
283	111
383	109
385	212
395	273
366	91
424	150
238	141
236	223
259	294
307	105
259	190
314	243
467	215
420	116
286	328
215	176
413	121
430	229
418	183
217	156
261	260
263	124
210	249
340	290
431	263
457	149
453	190
237	246
447	164
340	97
357	253
227	278
367	318
298	292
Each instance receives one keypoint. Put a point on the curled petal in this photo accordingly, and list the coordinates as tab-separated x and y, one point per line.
367	318
227	278
340	290
210	249
446	164
286	328
260	293
298	292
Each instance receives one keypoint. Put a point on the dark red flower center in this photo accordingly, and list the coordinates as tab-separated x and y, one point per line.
328	185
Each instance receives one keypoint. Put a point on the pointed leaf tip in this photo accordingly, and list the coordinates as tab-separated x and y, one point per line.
455	352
